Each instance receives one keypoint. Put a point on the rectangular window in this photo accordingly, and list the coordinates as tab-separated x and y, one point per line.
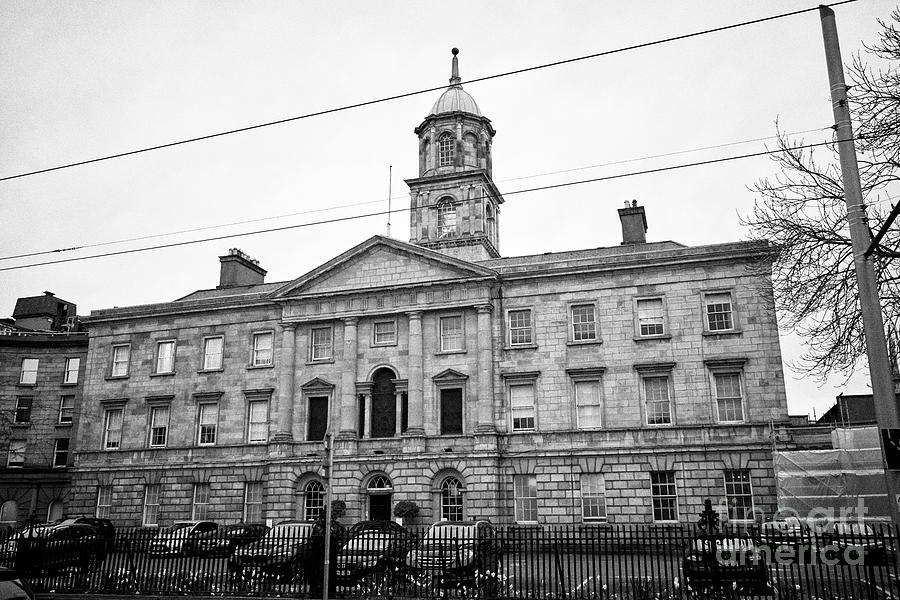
120	356
526	498
584	327
104	501
165	356
650	317
320	343
729	400
71	374
66	410
213	352
384	333
593	497
739	495
253	498
664	496
719	313
451	411
208	421
28	375
23	409
587	404
258	421
201	502
16	456
451	333
112	429
318	418
263	344
521	402
61	452
658	401
151	504
159	426
520	327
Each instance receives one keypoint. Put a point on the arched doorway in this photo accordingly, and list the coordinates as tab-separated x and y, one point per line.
380	492
384	404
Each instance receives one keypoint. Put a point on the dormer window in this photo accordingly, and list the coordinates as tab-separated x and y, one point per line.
446	145
446	219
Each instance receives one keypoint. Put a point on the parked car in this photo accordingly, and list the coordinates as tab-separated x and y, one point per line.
224	540
177	540
13	586
789	539
372	547
726	562
458	553
854	542
280	553
50	548
106	531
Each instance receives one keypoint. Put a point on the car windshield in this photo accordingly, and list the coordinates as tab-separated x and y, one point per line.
452	532
291	530
13	589
178	526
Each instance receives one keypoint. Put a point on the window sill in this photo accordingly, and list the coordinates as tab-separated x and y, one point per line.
650	338
58	425
21	425
114	377
382	344
449	352
166	374
26	385
253	367
321	361
157	447
726	423
205	371
584	342
595	523
69	384
521	347
722	333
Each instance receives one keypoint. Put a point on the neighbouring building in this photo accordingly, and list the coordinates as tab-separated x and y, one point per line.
42	360
617	384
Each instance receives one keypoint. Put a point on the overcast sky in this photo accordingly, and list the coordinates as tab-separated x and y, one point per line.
87	79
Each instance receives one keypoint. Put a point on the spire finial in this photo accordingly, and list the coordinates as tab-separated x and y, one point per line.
454	74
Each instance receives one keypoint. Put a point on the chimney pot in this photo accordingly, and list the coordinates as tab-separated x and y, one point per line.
237	269
634	223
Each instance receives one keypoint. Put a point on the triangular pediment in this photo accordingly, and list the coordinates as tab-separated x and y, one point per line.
449	374
317	383
381	262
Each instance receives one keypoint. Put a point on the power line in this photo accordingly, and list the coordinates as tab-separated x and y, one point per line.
425	91
397	210
294	214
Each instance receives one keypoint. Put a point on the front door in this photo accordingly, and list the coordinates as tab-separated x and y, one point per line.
380	507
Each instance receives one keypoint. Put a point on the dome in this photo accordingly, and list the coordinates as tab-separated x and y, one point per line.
455	99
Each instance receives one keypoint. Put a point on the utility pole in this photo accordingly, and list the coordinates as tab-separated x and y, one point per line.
860	237
329	449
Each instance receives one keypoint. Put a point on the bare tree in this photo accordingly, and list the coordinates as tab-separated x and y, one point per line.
801	211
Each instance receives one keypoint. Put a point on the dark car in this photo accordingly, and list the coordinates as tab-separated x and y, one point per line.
50	548
176	540
106	531
13	586
461	553
372	547
726	562
855	543
280	553
224	540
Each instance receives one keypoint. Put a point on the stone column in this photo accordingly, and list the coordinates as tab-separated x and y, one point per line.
416	420
285	408
485	409
348	380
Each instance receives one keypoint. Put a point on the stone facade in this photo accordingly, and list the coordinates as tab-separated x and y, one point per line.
621	384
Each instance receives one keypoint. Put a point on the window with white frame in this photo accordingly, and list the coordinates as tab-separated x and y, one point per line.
521	403
55	511
23	409
650	317
151	505
384	333
446	218
104	502
28	376
66	410
200	510
120	356
213	353
9	513
320	343
719	311
70	376
664	496
729	398
16	456
61	452
584	325
207	423
159	426
165	356
451	333
739	495
257	421
593	497
446	149
587	403
520	327
525	490
451	500
657	399
263	349
313	500
253	499
112	428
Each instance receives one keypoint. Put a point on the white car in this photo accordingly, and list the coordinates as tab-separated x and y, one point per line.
172	541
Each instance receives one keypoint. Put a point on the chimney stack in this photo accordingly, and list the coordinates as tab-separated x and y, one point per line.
239	269
634	223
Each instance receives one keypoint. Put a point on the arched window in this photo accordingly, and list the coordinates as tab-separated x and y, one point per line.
446	145
55	511
489	218
451	500
471	150
446	219
9	512
380	491
313	500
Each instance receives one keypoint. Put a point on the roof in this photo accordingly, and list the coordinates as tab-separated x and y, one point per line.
234	291
455	99
38	306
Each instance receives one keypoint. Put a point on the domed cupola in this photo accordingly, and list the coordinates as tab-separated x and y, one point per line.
455	204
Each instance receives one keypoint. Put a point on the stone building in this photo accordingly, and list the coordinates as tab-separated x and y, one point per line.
42	360
619	384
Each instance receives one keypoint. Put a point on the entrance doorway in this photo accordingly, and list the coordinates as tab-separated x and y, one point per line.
384	404
380	492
